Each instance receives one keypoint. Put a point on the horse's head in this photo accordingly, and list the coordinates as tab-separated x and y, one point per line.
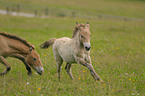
33	59
84	35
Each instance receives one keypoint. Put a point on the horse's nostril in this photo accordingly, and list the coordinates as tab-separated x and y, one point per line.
40	73
87	48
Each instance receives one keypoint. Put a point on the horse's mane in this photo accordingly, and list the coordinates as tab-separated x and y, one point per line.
17	38
77	28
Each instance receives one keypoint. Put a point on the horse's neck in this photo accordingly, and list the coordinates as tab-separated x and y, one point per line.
18	47
78	44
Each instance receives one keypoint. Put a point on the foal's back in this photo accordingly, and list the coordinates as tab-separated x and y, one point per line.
62	50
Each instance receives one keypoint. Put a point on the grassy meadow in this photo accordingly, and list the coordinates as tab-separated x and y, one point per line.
118	52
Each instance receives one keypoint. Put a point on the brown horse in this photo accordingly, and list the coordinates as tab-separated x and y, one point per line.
14	46
75	50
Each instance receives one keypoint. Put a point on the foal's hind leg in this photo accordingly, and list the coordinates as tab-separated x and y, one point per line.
59	69
68	70
4	62
59	62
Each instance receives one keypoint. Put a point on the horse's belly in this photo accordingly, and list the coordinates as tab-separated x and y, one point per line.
66	55
68	59
63	48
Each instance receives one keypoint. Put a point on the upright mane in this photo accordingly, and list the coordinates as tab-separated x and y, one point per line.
17	38
77	28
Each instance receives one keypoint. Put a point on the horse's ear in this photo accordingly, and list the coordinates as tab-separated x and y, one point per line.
87	25
77	23
33	47
30	49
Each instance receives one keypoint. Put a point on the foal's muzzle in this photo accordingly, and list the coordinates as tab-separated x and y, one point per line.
87	46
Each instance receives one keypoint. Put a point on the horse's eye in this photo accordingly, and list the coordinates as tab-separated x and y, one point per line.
82	36
34	59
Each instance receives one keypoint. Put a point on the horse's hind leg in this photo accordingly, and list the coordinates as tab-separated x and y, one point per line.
68	70
59	69
4	62
59	61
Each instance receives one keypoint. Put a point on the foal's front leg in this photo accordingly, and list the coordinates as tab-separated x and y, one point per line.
90	67
4	62
18	56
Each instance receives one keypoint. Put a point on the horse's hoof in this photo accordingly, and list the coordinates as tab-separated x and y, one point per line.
29	73
99	79
2	74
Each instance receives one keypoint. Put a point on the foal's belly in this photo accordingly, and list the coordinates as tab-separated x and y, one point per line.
66	55
68	58
64	50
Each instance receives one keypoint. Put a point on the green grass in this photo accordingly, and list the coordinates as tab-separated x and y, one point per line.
118	52
117	56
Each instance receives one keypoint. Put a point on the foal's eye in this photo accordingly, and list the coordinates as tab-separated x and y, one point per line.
34	59
82	36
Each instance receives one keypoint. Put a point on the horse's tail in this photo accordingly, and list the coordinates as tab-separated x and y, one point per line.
47	43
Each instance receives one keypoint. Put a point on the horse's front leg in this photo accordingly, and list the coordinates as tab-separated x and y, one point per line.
18	56
88	60
4	62
90	67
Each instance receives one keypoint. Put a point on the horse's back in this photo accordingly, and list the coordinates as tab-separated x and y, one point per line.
61	49
3	45
61	44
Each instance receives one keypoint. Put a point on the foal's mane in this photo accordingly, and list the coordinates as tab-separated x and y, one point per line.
17	38
77	28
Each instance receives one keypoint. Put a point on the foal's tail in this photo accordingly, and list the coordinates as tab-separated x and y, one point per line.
47	43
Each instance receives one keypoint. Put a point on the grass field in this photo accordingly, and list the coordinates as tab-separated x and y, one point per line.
118	52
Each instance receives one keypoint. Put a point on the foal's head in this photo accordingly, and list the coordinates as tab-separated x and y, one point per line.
84	35
33	59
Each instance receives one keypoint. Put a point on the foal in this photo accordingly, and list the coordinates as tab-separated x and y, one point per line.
75	50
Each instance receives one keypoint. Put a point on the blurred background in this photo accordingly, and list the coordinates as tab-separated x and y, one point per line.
117	9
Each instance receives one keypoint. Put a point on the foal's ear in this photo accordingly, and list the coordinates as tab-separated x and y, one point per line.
87	25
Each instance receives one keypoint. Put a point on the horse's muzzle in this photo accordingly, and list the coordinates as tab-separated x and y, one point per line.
40	70
87	46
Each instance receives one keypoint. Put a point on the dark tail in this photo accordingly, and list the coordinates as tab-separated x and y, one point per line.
47	44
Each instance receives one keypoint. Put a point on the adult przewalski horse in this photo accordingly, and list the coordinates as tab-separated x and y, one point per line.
75	50
16	47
